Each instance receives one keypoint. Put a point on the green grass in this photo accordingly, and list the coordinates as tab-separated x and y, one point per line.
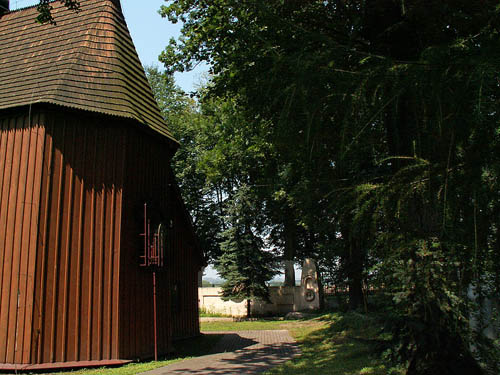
336	344
211	314
260	324
130	369
184	349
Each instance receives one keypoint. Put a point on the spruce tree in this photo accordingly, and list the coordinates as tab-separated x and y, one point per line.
244	264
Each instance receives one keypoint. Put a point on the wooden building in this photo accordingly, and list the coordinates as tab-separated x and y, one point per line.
83	148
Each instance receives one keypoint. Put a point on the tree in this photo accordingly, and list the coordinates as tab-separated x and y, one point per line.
45	10
218	153
244	265
194	132
279	72
383	120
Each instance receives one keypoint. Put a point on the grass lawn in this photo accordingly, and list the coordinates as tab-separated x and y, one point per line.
211	314
336	344
245	325
130	369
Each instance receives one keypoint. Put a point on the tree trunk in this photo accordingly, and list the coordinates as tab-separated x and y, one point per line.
289	251
289	273
354	270
355	280
321	294
248	308
497	260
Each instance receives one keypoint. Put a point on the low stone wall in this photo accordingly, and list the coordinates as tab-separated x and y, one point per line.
211	301
284	299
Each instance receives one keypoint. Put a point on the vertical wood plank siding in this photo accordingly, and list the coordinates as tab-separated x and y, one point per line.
72	189
147	181
150	179
60	208
21	154
182	254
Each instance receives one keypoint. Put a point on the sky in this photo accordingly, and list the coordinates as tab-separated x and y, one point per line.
150	33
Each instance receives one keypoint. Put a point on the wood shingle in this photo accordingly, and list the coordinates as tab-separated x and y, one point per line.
86	61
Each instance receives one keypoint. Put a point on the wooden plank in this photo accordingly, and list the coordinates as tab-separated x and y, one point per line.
11	260
117	250
42	235
65	241
25	275
53	246
97	284
88	248
143	297
39	132
109	218
4	133
21	237
73	339
5	253
125	302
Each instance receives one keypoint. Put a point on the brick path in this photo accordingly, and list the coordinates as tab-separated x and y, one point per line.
238	352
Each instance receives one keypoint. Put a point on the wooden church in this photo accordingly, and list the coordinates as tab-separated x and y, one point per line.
90	213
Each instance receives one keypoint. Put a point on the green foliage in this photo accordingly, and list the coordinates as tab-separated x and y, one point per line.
45	10
244	264
219	151
382	118
172	101
429	320
193	131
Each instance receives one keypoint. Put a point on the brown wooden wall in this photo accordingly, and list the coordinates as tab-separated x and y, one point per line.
150	180
76	315
147	166
72	188
60	206
21	157
186	263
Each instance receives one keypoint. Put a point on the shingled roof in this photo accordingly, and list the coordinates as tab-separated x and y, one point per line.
86	61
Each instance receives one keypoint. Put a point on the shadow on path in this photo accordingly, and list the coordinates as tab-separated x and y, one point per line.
242	352
230	342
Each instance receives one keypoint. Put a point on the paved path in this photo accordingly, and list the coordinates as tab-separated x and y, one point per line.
238	352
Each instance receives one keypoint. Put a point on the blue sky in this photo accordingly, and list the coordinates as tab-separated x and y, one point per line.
150	33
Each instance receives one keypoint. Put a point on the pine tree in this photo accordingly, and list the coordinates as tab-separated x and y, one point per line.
244	264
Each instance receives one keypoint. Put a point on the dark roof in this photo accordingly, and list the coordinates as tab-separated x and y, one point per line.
86	61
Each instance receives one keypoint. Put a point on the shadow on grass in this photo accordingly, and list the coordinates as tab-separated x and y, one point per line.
338	344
